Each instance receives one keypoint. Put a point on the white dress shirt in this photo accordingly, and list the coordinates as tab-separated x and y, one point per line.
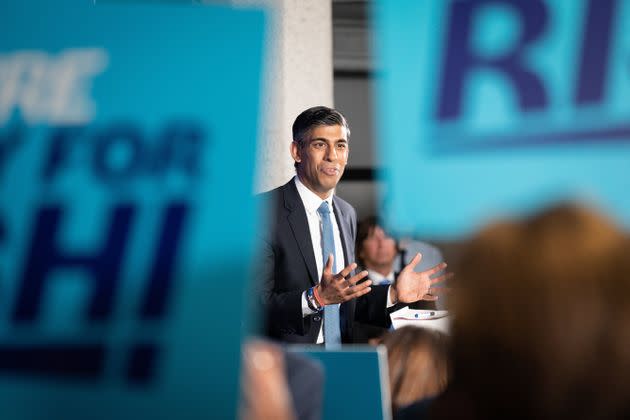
378	279
311	203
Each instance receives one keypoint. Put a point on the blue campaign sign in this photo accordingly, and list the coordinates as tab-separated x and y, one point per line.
357	373
493	108
127	141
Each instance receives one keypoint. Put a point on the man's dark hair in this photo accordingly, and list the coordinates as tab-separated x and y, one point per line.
314	117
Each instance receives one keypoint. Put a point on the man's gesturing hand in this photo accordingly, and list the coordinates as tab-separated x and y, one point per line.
335	288
411	286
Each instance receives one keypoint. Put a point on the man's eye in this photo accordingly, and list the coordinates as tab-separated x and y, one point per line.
341	145
318	145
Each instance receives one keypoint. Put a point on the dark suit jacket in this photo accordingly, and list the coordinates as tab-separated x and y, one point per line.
363	332
288	268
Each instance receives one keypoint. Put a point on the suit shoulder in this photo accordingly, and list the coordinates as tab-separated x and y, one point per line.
273	196
270	193
344	206
278	201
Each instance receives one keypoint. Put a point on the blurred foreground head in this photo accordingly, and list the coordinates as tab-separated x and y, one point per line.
418	364
265	391
542	324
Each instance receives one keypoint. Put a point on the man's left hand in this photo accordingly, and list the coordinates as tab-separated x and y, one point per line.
412	287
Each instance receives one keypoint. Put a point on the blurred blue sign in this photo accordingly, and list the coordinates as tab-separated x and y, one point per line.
127	141
497	107
359	374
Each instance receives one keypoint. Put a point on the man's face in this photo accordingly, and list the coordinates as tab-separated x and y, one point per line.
378	250
322	158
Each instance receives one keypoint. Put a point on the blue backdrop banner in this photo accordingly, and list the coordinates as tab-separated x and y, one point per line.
127	143
492	108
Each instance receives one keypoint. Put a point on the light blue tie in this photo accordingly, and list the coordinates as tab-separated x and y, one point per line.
332	333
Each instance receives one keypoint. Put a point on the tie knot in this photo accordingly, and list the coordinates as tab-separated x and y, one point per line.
323	208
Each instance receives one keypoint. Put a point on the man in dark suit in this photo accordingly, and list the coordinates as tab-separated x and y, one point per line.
310	290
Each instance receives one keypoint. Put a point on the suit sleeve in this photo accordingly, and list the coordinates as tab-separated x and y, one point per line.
372	308
283	309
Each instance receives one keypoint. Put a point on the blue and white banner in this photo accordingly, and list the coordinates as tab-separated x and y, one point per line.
127	145
492	108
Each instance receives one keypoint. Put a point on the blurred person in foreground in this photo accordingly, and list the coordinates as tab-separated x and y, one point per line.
417	359
265	392
544	333
279	385
377	253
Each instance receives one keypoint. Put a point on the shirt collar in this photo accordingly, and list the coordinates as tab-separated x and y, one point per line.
311	200
377	278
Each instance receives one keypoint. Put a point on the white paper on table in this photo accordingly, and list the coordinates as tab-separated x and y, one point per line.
436	320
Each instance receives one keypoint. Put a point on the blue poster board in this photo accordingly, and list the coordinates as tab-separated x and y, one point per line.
493	108
127	145
358	374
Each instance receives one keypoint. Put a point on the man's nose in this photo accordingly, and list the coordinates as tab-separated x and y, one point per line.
331	154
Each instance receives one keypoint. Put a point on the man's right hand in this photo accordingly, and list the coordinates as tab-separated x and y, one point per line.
335	288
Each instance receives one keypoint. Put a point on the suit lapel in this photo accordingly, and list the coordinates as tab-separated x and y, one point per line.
299	226
344	225
346	310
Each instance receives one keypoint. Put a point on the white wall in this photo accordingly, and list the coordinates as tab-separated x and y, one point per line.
298	75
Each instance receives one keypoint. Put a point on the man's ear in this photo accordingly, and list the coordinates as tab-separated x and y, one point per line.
295	151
